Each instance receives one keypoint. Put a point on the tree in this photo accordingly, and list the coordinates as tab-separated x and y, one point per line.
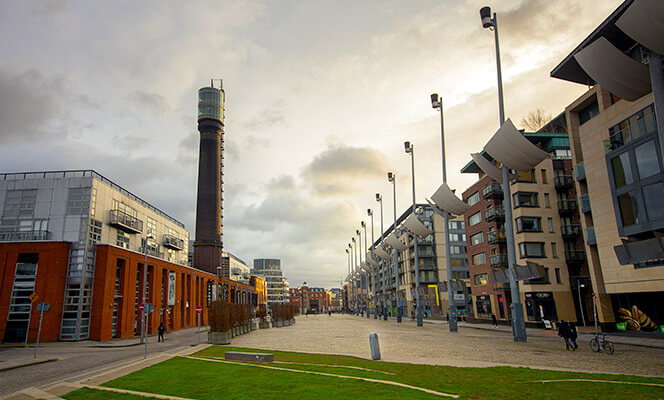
536	119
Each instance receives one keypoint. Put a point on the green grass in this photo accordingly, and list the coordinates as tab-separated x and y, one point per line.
209	380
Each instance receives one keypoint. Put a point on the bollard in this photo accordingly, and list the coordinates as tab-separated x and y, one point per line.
375	348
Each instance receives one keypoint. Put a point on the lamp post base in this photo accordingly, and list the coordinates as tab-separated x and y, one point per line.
452	319
518	323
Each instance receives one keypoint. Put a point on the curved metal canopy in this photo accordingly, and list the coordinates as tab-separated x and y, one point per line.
395	242
614	70
366	266
489	168
511	148
446	200
643	21
415	226
371	260
382	254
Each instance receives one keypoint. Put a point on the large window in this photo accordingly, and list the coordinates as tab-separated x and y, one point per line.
479	259
481	279
20	305
78	201
20	203
477	238
528	224
532	249
526	176
473	199
475	219
525	199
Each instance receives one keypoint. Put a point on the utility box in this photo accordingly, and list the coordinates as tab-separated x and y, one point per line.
375	348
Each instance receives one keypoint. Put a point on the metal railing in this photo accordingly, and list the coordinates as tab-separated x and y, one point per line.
23	235
575	256
570	230
173	242
492	190
563	182
580	172
567	206
124	220
496	237
498	261
585	203
589	234
494	213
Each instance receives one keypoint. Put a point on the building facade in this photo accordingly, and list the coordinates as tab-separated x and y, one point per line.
270	268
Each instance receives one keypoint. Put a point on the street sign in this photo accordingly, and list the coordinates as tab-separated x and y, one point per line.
34	297
43	307
149	308
199	309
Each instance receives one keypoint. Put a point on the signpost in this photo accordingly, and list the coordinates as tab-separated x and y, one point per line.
41	309
149	307
199	310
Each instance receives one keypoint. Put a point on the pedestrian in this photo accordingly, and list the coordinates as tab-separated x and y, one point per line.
329	313
494	321
573	334
563	332
160	331
412	315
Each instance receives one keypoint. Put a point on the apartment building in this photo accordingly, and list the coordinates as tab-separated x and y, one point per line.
270	268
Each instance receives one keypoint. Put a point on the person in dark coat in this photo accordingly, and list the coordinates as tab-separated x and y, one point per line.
573	334
161	331
563	332
494	321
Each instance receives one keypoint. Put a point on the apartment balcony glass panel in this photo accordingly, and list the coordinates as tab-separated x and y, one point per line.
173	242
567	206
498	261
492	191
496	237
585	203
575	256
494	214
126	222
589	234
580	172
570	231
640	124
563	182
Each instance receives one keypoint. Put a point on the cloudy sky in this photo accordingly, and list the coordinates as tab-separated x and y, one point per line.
320	97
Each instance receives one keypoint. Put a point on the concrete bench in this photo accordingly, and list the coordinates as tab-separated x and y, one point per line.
255	357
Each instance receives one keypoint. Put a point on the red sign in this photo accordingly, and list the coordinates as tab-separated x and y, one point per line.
199	309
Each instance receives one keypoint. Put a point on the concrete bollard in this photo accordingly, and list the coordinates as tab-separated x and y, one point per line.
375	348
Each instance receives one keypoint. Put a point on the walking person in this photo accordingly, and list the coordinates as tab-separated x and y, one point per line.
573	334
494	321
161	331
563	332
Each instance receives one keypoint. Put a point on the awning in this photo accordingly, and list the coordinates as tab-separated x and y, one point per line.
457	285
614	70
510	148
415	226
382	254
395	242
643	252
643	21
371	260
523	272
446	200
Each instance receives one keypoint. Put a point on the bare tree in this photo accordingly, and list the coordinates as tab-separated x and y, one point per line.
536	119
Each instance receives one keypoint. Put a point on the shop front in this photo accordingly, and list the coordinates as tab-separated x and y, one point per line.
540	306
483	306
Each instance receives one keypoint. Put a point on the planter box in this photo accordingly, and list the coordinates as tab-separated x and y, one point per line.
219	337
263	325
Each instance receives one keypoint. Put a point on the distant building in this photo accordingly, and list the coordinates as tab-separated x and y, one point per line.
270	268
234	268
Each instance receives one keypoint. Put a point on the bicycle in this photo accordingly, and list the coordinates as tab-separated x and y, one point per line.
598	344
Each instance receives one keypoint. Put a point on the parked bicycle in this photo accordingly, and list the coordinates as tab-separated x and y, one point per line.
599	343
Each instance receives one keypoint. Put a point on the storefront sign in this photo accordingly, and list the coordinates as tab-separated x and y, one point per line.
458	296
171	288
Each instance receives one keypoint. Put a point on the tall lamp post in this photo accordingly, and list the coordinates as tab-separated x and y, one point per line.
379	198
373	269
359	269
437	102
366	279
418	308
391	177
144	317
348	279
352	273
518	321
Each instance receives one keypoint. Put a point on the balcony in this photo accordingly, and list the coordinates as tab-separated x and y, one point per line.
495	214
580	172
567	206
20	236
153	252
636	127
173	242
492	191
126	222
585	203
575	256
498	261
563	182
501	287
589	234
496	237
570	231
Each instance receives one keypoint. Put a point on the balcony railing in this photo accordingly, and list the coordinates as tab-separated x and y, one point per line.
492	190
498	261
567	206
173	242
570	231
563	182
494	213
585	203
636	129
496	237
580	171
126	222
590	236
23	235
575	256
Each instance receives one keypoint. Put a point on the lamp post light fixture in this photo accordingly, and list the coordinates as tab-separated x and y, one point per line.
391	177
144	318
379	198
373	269
409	148
578	287
437	103
518	320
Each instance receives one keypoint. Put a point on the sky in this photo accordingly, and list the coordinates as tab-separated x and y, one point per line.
320	97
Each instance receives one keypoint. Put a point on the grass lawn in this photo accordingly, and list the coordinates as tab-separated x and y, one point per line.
197	379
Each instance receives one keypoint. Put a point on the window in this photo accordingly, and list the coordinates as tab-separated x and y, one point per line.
475	219
558	280
528	224
78	201
95	231
550	222
554	250
456	250
473	199
151	227
622	170
628	209
525	199
479	259
20	203
531	249
646	159
547	200
527	176
545	180
477	238
453	225
460	275
122	240
481	279
589	112
652	195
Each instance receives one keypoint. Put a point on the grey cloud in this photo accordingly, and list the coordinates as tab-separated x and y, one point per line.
149	102
269	117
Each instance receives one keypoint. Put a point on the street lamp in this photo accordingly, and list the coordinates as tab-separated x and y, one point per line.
437	103
366	279
359	269
373	269
409	148
391	177
578	287
379	198
518	321
144	317
352	273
